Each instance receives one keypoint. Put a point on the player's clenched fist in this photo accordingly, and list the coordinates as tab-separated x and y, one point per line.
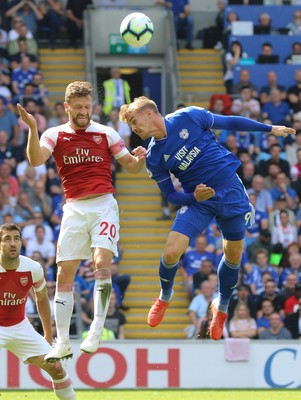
203	192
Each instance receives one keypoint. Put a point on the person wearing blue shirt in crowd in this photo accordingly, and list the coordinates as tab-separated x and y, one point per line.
182	144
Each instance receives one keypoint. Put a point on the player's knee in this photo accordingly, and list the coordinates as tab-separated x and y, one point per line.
171	255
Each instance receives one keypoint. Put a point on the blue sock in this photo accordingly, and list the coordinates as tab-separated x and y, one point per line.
227	280
167	275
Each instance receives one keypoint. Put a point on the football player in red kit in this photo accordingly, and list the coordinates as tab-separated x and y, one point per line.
18	274
83	150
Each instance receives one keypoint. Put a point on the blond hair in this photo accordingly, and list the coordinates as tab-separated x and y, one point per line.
78	89
140	103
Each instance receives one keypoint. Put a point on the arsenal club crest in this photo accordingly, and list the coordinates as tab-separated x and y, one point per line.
24	280
97	139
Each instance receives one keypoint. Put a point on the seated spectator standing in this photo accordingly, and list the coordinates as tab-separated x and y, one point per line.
75	19
16	58
276	331
266	56
22	75
182	18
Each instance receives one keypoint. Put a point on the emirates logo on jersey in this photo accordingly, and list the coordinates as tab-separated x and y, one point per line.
24	280
97	139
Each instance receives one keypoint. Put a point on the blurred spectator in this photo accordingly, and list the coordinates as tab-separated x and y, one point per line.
16	58
32	107
39	243
291	152
98	115
293	322
75	20
245	105
121	280
276	331
206	268
264	26
296	51
5	206
232	58
295	26
283	189
53	20
233	145
242	295
9	123
292	249
270	179
274	218
288	287
57	115
28	231
285	233
244	80
28	11
294	93
292	303
40	171
242	325
261	222
17	31
41	200
24	212
293	267
272	293
231	17
275	152
22	75
276	110
7	152
247	173
56	218
115	320
31	47
263	322
267	55
264	200
182	18
116	91
7	177
121	127
272	83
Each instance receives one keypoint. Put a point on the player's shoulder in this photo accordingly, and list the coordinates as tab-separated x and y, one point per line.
54	130
27	264
97	127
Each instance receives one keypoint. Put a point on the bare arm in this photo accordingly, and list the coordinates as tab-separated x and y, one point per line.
43	308
134	163
12	11
36	154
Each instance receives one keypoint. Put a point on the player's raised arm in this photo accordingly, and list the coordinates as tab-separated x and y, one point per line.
36	154
134	163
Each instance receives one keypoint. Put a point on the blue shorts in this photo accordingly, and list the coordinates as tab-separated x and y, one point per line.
231	208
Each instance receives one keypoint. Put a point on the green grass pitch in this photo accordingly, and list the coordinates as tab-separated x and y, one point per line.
216	394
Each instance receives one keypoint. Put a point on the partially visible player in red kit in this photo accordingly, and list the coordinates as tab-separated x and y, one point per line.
82	150
18	274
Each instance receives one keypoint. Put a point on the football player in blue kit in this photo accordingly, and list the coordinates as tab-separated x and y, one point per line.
183	144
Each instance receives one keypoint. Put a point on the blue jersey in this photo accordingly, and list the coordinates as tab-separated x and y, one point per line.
191	152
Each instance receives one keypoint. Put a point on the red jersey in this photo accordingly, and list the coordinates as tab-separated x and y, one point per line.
83	157
14	288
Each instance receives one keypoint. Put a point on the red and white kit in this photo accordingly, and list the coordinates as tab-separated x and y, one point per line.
83	159
16	332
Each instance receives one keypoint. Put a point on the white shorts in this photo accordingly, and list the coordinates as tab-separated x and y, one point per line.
88	224
23	340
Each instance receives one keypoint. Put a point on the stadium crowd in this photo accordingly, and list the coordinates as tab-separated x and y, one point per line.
268	295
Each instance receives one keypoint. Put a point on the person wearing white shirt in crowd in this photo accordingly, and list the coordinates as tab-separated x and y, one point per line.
39	243
121	127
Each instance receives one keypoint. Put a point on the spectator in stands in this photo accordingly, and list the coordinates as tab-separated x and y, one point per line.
232	58
285	233
242	295
232	16
5	206
7	177
57	115
9	123
75	20
198	307
16	58
232	145
264	200
115	320
53	20
22	75
44	246
272	83
292	152
192	260
28	12
24	212
41	200
264	26
244	80
276	331
275	152
270	179
272	293
293	267
32	107
242	325
266	55
261	222
29	230
260	266
31	46
276	110
296	51
182	18
294	93
293	322
247	173
206	268
282	188
116	91
120	279
8	153
292	303
121	127
15	32
288	287
292	249
295	26
5	92
246	105
263	322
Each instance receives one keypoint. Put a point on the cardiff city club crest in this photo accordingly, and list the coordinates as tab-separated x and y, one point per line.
24	280
184	134
97	139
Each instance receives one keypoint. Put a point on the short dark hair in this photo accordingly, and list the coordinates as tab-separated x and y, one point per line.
9	228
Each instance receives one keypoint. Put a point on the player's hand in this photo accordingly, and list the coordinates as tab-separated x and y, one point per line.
279	130
139	152
203	192
26	117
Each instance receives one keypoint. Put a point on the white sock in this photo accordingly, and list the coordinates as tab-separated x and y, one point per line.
63	388
63	308
101	296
